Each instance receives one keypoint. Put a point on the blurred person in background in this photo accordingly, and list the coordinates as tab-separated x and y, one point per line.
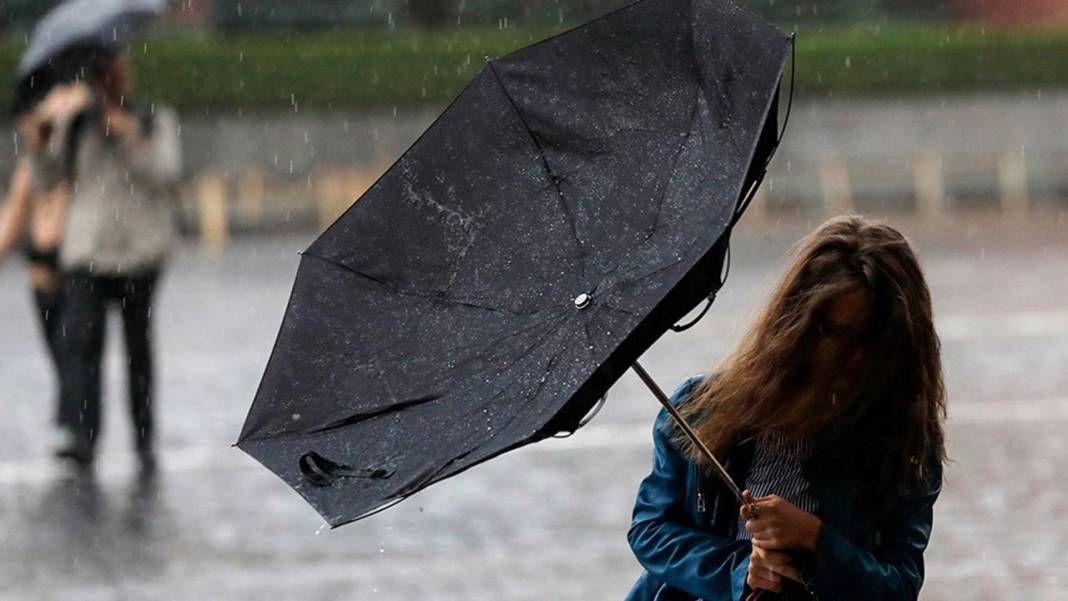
831	415
118	159
35	216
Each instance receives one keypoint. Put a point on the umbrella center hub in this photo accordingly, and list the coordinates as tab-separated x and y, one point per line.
583	300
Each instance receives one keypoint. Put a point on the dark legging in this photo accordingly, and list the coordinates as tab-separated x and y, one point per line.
48	304
48	301
85	302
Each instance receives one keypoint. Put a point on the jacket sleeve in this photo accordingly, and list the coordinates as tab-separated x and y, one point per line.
890	571
663	536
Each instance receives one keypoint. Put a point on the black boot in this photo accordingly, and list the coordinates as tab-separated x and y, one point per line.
146	456
78	456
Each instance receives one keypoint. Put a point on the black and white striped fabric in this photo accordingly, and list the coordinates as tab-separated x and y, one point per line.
776	469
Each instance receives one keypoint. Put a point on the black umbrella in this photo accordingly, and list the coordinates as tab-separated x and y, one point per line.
569	206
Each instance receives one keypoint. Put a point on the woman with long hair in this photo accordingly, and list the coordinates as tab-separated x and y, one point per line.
830	414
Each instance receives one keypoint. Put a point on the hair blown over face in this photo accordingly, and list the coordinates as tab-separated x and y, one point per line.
877	381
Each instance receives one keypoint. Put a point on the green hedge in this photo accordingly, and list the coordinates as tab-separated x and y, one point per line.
923	60
411	67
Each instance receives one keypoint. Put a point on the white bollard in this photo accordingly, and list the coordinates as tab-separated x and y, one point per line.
1012	182
211	201
928	184
835	185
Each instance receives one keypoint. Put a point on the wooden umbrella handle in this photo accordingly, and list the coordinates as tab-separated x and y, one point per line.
720	470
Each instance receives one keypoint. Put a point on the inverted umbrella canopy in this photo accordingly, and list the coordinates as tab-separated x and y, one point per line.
571	204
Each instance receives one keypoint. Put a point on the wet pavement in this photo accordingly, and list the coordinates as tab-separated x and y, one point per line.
547	521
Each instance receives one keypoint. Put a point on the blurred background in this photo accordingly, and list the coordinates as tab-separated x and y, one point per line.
947	118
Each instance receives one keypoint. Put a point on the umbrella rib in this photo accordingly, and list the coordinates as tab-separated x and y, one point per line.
674	165
500	339
721	98
647	274
560	321
506	246
589	341
541	383
433	477
513	416
545	375
366	415
548	170
376	363
379	361
531	349
428	296
497	340
595	154
359	417
502	429
650	274
723	105
612	307
663	195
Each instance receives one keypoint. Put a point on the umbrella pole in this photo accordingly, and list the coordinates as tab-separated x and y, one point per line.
666	402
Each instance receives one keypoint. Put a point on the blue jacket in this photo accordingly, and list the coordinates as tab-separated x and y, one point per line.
685	522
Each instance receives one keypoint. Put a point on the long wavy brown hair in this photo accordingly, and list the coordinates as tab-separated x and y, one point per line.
875	387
